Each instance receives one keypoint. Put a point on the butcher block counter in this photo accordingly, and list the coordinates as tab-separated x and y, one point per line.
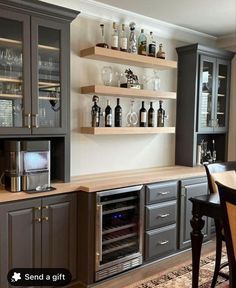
111	180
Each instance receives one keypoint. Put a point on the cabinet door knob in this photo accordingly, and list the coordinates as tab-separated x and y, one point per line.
164	192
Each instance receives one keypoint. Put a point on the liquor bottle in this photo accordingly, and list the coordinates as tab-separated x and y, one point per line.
118	114
114	37
160	115
143	116
142	43
95	112
132	39
213	151
123	40
102	43
152	46
108	115
160	53
151	116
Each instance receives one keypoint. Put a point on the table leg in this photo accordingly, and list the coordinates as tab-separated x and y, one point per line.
197	224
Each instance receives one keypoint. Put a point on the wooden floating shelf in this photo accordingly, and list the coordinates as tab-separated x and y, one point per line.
10	80
109	55
126	130
127	92
11	96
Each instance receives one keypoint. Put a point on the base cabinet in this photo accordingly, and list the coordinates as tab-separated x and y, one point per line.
39	233
191	188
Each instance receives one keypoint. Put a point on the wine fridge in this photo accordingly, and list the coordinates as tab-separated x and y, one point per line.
119	230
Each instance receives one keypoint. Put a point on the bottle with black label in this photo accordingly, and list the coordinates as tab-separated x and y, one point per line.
160	115
152	46
143	116
95	112
108	115
151	116
118	114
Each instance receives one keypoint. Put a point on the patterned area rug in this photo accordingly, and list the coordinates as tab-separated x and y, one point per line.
182	277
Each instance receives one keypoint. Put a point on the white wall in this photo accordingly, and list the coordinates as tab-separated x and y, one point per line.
94	154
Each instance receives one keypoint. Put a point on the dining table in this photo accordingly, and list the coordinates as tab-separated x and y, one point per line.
204	205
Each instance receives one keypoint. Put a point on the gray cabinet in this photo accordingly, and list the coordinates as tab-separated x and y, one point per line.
191	188
39	233
160	219
202	101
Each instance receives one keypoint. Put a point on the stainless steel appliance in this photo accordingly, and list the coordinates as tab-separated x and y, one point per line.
35	162
119	231
27	165
12	173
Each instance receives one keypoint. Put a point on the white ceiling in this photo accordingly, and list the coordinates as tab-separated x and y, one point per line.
214	17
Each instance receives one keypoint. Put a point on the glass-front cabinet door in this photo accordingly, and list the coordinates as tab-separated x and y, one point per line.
15	104
206	94
49	76
213	94
222	95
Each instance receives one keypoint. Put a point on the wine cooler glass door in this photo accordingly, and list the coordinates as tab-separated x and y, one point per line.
14	109
48	84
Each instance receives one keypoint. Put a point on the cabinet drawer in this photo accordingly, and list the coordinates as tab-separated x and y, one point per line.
161	192
159	215
160	241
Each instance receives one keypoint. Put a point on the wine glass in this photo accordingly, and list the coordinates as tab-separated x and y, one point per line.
132	117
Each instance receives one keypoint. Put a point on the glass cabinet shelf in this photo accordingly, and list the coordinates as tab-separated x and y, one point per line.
49	98
13	80
221	77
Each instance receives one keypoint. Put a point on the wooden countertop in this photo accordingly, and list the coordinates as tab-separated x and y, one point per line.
111	180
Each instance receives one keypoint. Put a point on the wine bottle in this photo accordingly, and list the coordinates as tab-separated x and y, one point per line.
102	43
95	112
160	53
160	115
123	40
118	114
142	43
152	46
143	116
114	38
108	115
151	116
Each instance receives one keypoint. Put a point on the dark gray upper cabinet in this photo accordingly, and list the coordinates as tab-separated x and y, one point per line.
202	101
34	68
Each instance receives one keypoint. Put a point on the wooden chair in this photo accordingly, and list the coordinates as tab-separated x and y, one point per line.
228	204
224	173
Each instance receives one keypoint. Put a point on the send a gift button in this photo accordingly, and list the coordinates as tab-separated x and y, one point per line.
39	277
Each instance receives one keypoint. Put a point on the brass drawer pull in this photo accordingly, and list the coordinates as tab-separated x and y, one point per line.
37	220
37	208
163	215
45	218
164	193
45	207
163	242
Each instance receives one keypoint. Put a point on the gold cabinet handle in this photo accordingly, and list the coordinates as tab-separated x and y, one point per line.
45	218
37	208
163	242
45	207
28	121
37	220
163	215
36	121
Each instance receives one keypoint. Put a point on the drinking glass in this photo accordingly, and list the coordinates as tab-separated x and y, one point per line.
107	75
132	117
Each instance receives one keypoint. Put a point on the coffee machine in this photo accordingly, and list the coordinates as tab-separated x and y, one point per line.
27	165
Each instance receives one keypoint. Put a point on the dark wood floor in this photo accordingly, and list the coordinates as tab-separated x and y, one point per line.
138	274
